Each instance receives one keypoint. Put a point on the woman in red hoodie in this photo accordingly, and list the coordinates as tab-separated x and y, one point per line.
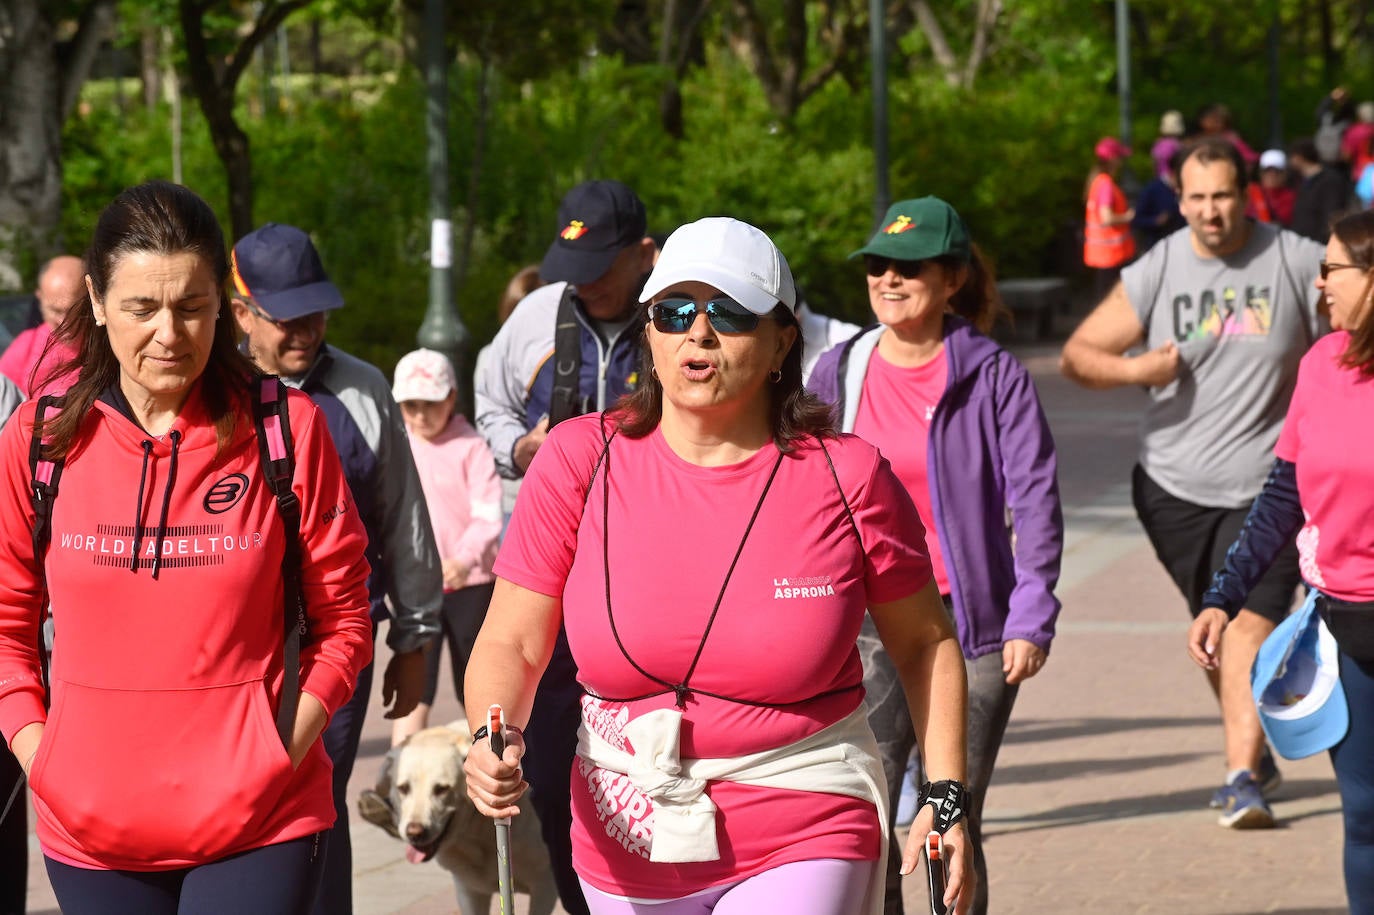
158	776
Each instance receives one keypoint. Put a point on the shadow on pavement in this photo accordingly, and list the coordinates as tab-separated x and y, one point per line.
1121	808
1029	773
1038	729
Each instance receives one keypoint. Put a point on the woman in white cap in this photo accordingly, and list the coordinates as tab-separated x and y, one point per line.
710	545
1321	491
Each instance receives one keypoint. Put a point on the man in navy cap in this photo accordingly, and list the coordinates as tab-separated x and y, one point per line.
569	348
281	299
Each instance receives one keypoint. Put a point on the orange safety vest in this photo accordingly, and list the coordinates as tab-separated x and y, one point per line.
1106	246
1259	206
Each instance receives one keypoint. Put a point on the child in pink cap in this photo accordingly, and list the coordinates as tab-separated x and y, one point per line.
458	475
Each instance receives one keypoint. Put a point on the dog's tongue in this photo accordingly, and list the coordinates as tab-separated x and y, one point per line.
415	855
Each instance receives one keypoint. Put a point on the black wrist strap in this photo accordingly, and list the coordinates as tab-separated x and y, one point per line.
948	798
482	733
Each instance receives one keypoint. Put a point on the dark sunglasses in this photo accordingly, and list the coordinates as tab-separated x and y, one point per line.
676	316
877	266
304	322
1326	268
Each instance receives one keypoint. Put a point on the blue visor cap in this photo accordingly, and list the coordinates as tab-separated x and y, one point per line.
1297	687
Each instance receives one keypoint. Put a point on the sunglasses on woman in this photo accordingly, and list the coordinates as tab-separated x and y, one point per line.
907	270
676	316
1327	268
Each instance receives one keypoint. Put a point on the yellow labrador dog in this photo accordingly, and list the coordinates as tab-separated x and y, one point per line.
421	798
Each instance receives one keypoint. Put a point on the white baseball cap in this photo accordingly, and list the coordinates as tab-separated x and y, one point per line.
733	256
424	374
1273	158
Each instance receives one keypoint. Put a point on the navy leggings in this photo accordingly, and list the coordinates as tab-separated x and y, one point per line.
274	880
1353	759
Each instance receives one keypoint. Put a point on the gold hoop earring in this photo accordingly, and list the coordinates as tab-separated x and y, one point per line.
653	370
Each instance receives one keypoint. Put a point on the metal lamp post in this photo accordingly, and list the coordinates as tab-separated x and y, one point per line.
442	328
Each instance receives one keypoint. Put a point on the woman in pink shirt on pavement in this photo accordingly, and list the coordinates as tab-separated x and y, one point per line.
463	493
710	545
1321	491
959	419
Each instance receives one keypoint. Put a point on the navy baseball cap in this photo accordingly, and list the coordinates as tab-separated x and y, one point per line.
278	267
596	221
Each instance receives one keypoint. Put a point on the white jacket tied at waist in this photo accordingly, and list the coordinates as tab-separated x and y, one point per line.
840	759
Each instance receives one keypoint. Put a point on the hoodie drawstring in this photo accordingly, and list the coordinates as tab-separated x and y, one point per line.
166	501
160	532
138	506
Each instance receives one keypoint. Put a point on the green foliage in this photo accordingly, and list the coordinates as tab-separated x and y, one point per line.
345	157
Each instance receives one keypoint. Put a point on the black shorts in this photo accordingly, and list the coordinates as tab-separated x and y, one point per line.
1191	542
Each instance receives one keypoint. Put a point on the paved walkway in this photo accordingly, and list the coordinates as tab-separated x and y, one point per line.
1099	800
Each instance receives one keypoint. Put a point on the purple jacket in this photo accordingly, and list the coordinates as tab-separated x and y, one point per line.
990	456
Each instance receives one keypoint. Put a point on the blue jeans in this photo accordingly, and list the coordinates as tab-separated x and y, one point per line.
1353	760
276	879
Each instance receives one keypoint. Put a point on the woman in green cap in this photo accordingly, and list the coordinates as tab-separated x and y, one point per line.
959	420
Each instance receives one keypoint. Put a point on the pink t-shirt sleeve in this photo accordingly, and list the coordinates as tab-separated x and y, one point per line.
896	564
542	538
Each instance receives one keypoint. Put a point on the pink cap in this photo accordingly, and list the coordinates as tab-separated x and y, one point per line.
1111	148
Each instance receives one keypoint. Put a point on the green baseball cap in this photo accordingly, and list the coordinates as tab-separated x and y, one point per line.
915	230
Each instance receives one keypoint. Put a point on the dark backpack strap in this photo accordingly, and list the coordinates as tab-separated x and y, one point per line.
271	417
565	401
44	475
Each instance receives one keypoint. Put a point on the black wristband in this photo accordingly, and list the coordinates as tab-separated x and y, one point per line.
482	733
948	798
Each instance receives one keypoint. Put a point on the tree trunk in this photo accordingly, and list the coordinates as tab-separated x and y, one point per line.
150	65
96	21
30	141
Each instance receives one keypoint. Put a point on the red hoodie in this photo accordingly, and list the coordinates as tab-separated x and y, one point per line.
160	749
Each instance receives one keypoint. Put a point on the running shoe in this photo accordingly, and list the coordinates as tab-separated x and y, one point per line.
1269	777
1243	805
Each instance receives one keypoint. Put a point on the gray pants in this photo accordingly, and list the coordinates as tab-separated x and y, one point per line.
990	700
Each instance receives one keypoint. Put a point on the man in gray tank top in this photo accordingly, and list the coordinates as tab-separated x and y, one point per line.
1221	311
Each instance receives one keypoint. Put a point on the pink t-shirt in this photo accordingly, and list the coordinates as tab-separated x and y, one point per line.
463	492
895	411
784	633
23	361
1329	435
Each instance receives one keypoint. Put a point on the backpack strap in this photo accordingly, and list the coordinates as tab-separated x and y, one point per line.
565	401
272	421
1298	300
44	475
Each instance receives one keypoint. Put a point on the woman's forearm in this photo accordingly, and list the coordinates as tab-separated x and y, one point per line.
511	653
937	695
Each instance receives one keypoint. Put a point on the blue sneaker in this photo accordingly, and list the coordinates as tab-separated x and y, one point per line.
1243	805
1269	777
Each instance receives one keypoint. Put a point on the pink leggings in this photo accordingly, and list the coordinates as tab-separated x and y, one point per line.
825	886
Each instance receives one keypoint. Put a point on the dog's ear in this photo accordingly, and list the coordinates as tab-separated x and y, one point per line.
462	739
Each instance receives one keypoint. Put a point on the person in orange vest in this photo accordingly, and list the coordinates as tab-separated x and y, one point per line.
1271	198
1107	241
